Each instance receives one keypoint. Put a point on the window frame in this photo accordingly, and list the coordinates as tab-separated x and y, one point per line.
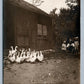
43	30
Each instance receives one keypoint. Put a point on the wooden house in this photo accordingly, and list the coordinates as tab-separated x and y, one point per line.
26	26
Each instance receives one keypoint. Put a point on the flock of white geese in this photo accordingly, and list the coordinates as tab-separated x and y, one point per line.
22	55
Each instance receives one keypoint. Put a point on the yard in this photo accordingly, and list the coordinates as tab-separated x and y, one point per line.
57	68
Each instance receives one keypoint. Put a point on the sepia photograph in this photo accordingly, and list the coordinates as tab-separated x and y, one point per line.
41	42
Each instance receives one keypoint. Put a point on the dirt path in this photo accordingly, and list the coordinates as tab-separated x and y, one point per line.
59	68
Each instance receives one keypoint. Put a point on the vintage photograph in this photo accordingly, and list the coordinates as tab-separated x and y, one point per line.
41	42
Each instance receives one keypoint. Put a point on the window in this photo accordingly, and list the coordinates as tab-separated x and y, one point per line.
39	30
42	29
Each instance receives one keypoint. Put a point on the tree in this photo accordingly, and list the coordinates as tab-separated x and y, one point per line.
75	13
37	2
67	23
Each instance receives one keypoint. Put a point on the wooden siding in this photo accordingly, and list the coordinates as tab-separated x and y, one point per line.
24	28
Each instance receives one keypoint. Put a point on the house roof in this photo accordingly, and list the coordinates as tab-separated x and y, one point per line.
28	6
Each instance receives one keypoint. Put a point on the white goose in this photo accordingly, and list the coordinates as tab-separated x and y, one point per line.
13	50
24	55
21	56
11	56
32	56
18	59
27	58
40	56
10	53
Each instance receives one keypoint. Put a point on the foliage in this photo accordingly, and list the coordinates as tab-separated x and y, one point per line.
37	2
67	23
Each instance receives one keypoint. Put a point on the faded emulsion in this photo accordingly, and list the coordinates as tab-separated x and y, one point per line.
41	47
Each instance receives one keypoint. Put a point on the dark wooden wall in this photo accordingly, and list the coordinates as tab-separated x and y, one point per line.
20	27
8	26
45	41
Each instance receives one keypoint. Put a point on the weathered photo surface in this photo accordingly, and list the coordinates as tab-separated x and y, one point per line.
41	41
